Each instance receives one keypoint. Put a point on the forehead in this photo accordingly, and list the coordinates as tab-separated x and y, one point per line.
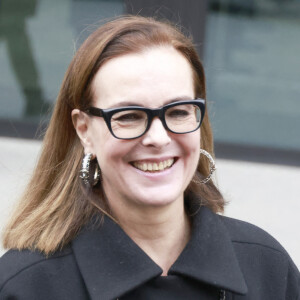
150	78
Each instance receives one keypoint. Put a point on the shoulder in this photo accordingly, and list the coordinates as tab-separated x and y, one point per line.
262	259
248	237
20	266
261	256
242	232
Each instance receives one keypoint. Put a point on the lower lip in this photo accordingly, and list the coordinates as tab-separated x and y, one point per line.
157	174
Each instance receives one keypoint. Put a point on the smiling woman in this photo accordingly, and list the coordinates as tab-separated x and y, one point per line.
121	204
131	78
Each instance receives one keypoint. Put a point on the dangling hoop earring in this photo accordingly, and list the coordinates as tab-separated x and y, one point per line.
212	168
84	172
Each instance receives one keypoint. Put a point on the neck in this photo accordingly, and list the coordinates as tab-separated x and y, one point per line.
161	232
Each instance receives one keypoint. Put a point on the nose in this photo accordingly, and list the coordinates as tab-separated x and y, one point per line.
157	135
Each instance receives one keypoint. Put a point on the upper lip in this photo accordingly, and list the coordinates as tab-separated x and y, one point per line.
153	159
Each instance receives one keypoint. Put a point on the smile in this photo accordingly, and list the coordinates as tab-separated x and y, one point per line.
155	166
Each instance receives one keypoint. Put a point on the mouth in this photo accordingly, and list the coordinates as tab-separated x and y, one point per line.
152	167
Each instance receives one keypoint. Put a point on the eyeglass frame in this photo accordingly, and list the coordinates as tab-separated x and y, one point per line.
107	114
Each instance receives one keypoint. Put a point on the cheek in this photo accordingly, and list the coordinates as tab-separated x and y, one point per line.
112	154
191	144
99	134
192	151
107	153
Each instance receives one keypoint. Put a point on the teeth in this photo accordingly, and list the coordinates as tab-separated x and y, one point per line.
154	166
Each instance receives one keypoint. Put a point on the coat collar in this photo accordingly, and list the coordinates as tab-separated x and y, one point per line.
112	264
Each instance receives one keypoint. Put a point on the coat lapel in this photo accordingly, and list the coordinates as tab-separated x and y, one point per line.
209	256
111	264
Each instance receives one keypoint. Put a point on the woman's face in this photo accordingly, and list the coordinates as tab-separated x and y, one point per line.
150	79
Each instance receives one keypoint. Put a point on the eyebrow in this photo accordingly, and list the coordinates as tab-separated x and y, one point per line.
132	103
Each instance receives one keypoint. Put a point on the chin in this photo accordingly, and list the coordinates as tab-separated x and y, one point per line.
158	199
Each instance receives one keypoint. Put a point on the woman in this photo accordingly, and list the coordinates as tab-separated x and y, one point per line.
121	205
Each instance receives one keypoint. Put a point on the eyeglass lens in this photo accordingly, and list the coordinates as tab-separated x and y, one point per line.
181	118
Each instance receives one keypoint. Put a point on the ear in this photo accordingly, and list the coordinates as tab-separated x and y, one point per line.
82	126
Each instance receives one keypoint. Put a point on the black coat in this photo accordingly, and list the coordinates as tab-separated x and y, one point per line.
223	255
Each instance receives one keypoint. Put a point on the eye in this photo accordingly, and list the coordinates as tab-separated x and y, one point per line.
128	116
180	111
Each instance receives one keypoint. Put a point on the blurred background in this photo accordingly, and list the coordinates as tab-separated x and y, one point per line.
251	53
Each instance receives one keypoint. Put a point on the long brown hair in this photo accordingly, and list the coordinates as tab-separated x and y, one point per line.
54	206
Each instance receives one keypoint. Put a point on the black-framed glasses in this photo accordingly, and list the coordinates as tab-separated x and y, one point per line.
131	122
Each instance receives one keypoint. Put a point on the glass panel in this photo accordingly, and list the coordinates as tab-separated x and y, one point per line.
37	41
183	117
252	60
129	123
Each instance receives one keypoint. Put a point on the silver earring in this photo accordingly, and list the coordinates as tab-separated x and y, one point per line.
84	172
212	168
